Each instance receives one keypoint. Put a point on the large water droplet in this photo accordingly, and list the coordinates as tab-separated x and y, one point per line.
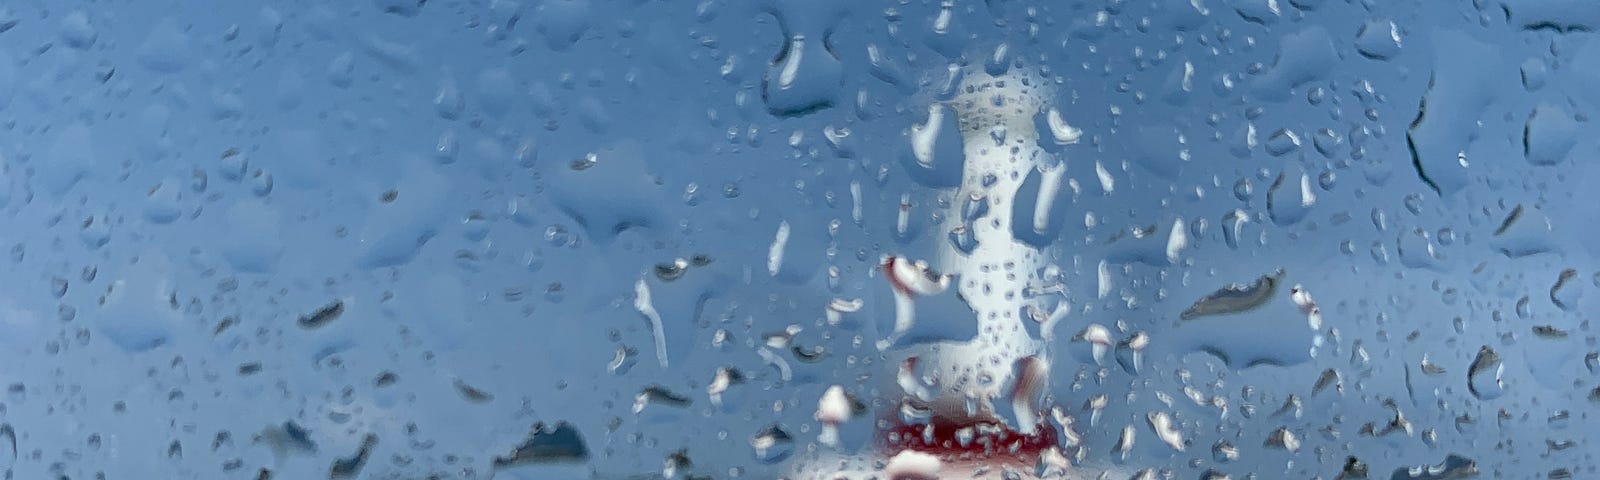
937	154
805	77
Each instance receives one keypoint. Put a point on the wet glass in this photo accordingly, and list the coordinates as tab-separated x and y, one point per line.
798	239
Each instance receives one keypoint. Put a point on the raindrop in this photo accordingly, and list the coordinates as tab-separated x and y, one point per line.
1378	39
1234	298
1282	439
772	444
559	443
1567	290
963	239
1483	376
1282	142
1243	190
1224	452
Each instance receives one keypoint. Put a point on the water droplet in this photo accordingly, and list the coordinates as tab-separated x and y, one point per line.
1303	57
77	31
772	444
999	61
1282	439
963	239
1224	452
447	101
1549	135
1524	231
803	78
341	70
1483	376
936	155
1567	290
166	48
1282	142
1234	298
351	466
562	22
1416	250
1166	429
1291	196
1378	39
1057	132
1456	99
545	445
1454	466
1243	190
1534	74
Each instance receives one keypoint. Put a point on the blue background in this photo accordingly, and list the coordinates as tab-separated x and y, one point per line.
180	182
